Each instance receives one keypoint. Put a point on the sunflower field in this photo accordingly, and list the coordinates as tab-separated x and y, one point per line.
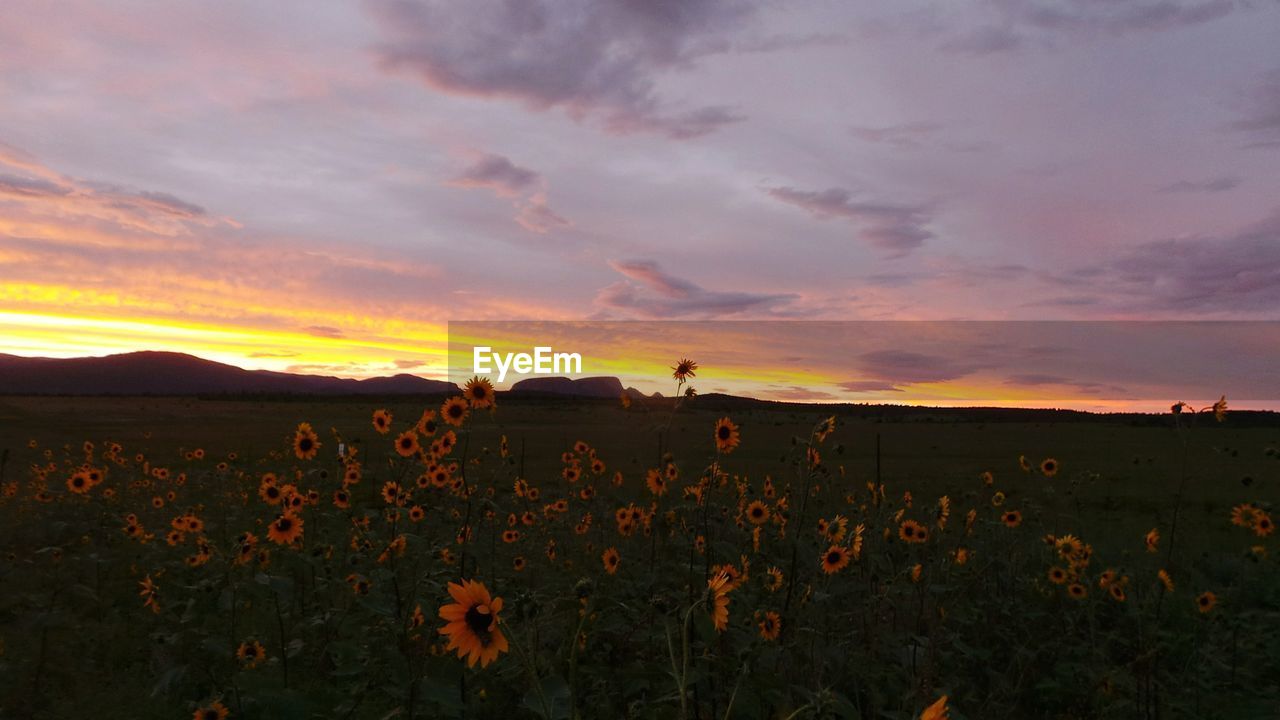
640	559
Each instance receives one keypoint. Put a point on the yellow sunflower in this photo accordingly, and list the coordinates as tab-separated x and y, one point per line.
382	421
718	588
726	435
407	444
285	530
770	626
913	532
611	559
454	411
472	623
684	369
479	392
305	442
834	559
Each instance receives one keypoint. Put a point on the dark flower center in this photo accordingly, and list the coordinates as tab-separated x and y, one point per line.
724	432
479	623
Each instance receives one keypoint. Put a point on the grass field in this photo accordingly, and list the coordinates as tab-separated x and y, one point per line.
865	618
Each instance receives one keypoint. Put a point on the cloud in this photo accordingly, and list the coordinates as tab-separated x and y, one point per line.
985	40
536	217
507	180
408	364
1090	17
783	41
1083	387
1213	185
590	58
498	174
29	187
895	368
649	292
1262	120
1239	273
325	331
38	191
897	228
904	136
1004	26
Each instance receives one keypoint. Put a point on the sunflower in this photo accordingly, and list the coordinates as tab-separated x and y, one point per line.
1012	519
427	423
382	421
1077	591
758	513
718	588
407	444
913	532
770	626
988	478
1242	515
285	530
250	653
684	369
1153	540
773	579
416	513
824	428
1262	525
1206	601
726	435
1117	592
936	711
611	558
1165	580
150	593
656	483
305	442
479	392
1024	463
472	623
79	483
517	563
341	499
213	711
454	410
1057	575
1049	467
834	559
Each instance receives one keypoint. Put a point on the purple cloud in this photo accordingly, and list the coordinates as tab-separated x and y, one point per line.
649	292
1213	185
588	58
508	180
897	228
1263	119
497	173
1234	274
904	136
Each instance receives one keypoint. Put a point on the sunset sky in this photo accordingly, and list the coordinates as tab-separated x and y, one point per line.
320	187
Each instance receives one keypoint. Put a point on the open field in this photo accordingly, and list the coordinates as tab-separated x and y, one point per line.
930	587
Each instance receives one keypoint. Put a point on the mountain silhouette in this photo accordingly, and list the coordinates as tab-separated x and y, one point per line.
168	373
